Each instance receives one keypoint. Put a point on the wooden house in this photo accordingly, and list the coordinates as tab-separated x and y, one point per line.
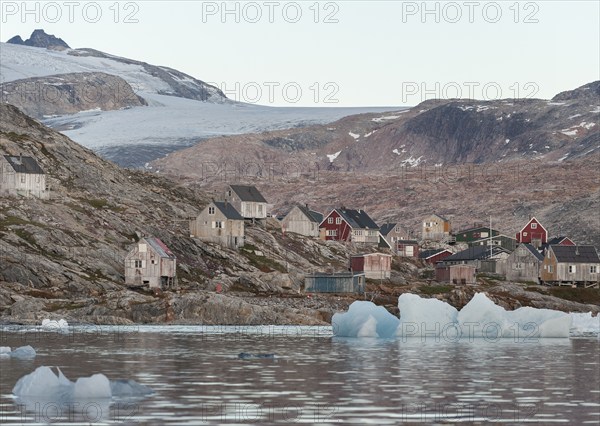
558	241
436	228
485	259
373	265
247	200
301	220
576	265
219	223
407	248
523	264
475	234
349	225
435	255
533	233
456	274
391	233
21	175
343	282
499	240
151	263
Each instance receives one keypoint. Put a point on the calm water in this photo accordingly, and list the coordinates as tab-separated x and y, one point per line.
315	378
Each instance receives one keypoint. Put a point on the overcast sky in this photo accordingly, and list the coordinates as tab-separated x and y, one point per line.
342	53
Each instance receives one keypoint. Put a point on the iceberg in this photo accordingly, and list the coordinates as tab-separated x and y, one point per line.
23	352
52	324
584	324
364	319
47	385
480	318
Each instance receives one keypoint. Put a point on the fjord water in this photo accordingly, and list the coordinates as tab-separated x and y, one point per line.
315	378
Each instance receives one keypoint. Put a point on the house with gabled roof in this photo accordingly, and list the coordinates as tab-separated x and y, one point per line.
247	200
219	223
486	259
434	255
558	241
575	265
500	240
21	175
524	263
475	233
151	263
349	225
533	233
302	220
436	228
391	234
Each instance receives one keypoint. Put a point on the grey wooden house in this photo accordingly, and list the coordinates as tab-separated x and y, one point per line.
575	265
524	263
301	220
21	175
151	263
436	228
219	223
247	200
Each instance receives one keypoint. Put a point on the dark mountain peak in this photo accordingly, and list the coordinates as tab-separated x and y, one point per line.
16	40
39	38
588	91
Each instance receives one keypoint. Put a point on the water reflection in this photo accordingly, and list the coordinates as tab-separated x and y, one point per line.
318	379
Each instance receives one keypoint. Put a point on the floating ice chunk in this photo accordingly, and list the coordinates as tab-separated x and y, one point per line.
482	318
364	319
61	323
584	324
5	349
24	352
46	385
424	317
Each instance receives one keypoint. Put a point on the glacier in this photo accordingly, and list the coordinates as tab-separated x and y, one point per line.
481	318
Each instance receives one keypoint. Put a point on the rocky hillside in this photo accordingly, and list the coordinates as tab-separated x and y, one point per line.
433	133
39	38
62	94
63	257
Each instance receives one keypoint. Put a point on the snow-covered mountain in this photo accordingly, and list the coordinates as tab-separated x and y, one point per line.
181	110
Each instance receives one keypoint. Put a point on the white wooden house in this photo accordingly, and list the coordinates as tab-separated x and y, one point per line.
21	175
247	200
219	223
151	263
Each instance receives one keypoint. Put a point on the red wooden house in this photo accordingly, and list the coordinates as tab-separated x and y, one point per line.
349	225
533	233
434	256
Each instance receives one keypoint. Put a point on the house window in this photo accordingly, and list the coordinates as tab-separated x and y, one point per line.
229	193
534	226
22	179
593	269
550	269
484	235
137	263
330	220
358	232
397	229
260	209
572	269
524	234
331	232
217	224
338	220
211	210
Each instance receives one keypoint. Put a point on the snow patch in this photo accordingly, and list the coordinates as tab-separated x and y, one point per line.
411	161
387	117
354	135
333	156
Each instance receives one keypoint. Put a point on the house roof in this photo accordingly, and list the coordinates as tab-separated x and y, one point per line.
371	254
534	251
387	228
312	215
24	164
248	193
575	254
426	254
495	237
357	219
557	240
228	210
438	216
477	228
407	242
159	247
476	253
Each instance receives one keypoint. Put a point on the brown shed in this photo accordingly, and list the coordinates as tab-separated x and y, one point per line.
374	265
151	263
456	274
